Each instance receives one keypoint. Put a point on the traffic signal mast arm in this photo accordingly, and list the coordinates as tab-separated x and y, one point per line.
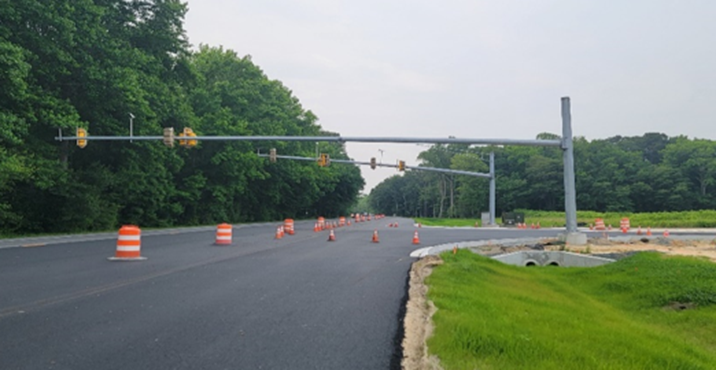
339	139
418	168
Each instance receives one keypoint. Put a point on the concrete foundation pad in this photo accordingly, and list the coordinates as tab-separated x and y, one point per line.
574	238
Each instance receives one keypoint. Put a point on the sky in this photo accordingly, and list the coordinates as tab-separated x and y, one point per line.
478	69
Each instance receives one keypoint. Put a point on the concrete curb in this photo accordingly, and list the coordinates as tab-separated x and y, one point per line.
437	249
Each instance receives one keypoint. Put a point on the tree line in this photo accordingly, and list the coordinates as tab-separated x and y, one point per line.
648	173
89	63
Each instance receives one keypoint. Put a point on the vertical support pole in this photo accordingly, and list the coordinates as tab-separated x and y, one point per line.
492	188
570	197
131	127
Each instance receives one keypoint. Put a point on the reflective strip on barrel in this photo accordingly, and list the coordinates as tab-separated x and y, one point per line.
223	234
129	242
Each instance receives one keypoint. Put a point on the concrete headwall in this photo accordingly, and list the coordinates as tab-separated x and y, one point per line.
551	258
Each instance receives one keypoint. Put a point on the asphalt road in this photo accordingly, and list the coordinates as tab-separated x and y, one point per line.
296	303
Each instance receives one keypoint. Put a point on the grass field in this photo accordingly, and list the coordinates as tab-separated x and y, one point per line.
616	316
697	219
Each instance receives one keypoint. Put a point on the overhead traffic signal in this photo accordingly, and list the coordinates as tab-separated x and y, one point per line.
401	165
190	133
324	160
187	133
372	163
272	155
81	133
169	136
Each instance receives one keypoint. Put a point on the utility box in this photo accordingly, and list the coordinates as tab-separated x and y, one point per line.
513	218
485	219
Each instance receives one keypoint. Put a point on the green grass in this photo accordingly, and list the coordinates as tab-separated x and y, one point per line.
496	316
656	219
692	219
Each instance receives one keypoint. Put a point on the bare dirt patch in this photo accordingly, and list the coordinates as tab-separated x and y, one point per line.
694	248
418	314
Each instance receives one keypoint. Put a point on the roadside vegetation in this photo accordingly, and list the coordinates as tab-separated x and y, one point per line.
649	173
69	64
647	311
690	219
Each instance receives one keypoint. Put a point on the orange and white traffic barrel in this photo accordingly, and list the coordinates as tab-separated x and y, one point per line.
599	224
321	223
223	234
288	226
129	244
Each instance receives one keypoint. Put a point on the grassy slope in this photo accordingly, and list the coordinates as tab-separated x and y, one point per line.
556	219
495	316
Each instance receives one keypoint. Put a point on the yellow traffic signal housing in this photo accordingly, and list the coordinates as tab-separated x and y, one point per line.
272	155
401	165
324	160
182	142
188	132
81	133
372	163
169	136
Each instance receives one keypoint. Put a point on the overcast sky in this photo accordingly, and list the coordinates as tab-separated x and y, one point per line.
478	69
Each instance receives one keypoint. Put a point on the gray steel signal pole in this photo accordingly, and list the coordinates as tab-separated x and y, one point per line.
492	189
570	196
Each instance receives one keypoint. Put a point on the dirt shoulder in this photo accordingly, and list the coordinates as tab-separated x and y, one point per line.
418	315
694	248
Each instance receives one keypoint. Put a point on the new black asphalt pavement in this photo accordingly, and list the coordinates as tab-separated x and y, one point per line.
296	303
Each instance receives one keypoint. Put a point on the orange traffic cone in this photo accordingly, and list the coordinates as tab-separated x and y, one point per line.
638	231
532	226
331	237
375	237
316	228
279	235
648	231
396	224
454	250
223	234
666	233
416	238
591	227
129	244
538	226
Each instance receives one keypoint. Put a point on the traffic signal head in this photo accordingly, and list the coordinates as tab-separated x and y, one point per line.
401	165
372	163
272	155
169	136
81	133
188	132
324	160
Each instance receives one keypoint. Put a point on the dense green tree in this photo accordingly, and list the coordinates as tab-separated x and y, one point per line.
649	173
80	63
